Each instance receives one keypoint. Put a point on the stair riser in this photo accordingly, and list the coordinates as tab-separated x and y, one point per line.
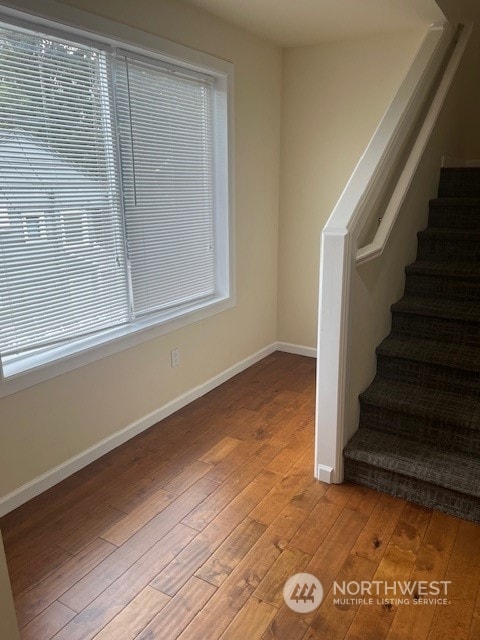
451	438
460	183
418	418
441	329
426	286
454	217
423	493
448	250
429	375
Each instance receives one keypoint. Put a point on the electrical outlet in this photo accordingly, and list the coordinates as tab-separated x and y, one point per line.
175	357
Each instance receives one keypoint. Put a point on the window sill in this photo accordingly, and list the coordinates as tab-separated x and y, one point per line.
36	368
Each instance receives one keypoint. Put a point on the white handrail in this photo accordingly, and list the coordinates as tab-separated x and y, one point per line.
361	197
375	248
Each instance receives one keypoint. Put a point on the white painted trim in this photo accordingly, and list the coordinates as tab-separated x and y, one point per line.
324	474
108	343
389	218
298	349
333	336
48	479
87	26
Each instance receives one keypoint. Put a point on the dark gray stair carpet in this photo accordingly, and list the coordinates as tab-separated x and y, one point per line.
452	355
454	471
451	368
456	270
452	409
419	434
449	244
452	280
417	321
461	356
438	308
420	473
420	428
459	183
454	213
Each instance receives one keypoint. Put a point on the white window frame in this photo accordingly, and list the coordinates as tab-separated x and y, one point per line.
61	20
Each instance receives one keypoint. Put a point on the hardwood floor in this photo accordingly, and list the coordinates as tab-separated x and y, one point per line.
190	530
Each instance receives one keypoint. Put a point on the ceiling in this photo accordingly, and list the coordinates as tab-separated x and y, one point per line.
293	23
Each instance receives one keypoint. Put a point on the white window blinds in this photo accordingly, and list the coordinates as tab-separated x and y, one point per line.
109	183
62	269
166	142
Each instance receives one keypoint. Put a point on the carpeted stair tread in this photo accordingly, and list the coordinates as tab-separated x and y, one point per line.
459	270
460	356
414	490
438	308
449	244
444	280
459	182
455	471
455	202
456	409
419	428
454	213
431	327
450	234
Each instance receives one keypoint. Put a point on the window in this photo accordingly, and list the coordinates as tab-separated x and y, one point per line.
114	187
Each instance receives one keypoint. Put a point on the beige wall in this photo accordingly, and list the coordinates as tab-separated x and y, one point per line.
469	98
8	620
333	98
460	10
467	92
45	425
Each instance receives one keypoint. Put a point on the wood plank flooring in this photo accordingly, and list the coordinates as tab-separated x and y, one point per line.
190	530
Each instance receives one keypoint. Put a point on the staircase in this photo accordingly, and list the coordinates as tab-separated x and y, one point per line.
419	435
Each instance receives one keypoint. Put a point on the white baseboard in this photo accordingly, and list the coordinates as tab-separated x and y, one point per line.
300	350
50	478
324	473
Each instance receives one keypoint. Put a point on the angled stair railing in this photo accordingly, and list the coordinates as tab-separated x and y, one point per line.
405	130
375	248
